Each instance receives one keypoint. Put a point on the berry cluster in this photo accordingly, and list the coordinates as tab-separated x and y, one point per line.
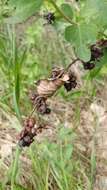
31	129
96	54
71	83
50	17
88	65
40	103
45	88
26	136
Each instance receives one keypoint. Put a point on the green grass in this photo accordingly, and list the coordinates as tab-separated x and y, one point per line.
55	165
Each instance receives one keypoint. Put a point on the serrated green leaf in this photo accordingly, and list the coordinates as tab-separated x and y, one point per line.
67	10
81	36
23	9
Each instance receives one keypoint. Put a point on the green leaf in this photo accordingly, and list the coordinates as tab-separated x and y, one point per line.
23	9
81	36
83	52
67	10
95	10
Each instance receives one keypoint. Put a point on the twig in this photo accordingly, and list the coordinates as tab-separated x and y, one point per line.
34	108
61	12
73	62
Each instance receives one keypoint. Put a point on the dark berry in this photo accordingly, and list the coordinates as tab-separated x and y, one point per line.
96	53
68	86
71	83
73	78
43	109
25	141
50	17
27	134
48	110
21	143
74	84
88	65
41	105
